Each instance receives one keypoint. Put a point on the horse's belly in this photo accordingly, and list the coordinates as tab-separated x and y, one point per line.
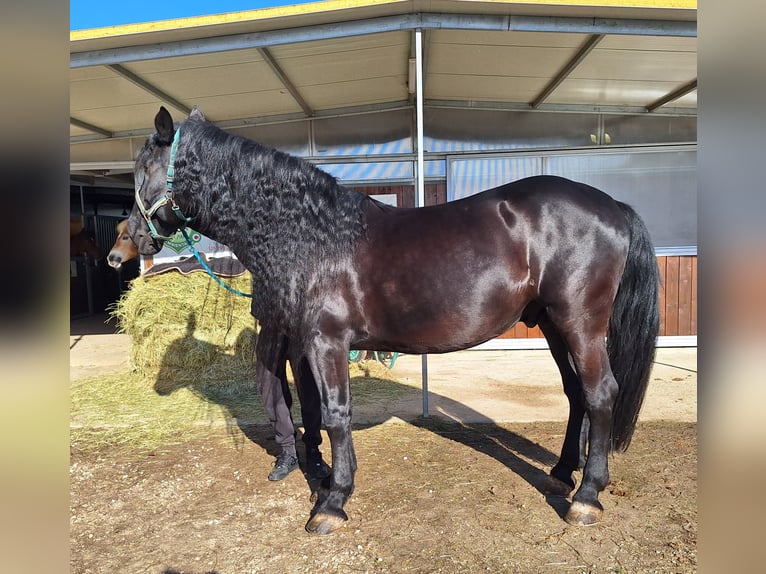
430	324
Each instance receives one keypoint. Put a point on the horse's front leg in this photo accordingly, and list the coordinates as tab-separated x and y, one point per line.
329	363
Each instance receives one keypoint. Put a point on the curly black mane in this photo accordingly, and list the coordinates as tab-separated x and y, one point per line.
289	222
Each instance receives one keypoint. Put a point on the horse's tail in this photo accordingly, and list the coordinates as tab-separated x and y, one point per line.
633	329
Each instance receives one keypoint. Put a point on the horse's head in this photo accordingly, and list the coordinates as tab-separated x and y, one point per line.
81	242
123	249
155	215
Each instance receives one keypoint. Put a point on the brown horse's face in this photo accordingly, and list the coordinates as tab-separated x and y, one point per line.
150	178
123	249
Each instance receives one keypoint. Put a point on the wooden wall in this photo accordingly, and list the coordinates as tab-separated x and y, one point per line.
678	300
678	295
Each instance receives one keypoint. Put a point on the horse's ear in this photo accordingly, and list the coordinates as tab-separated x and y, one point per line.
196	114
163	123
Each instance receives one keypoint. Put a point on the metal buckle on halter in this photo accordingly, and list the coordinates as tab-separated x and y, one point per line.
148	213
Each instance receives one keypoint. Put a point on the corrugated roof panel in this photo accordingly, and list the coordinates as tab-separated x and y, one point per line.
605	92
649	43
198	61
483	38
483	88
341	45
226	107
637	65
356	92
346	66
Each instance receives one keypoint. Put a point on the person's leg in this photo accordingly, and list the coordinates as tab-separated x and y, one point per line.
311	413
271	355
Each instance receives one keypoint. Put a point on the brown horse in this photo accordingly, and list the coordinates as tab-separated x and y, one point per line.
81	242
123	249
335	270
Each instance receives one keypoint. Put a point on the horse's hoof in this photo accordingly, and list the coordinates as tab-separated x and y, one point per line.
555	487
581	514
324	523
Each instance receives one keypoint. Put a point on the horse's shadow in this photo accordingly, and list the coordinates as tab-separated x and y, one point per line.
240	403
237	396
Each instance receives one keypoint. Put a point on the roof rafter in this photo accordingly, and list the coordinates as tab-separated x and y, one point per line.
148	87
590	43
289	86
674	95
90	127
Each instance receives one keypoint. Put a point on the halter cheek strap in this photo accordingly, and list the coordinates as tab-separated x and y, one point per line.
165	198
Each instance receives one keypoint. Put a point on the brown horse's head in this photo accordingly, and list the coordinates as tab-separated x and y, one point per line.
80	241
123	249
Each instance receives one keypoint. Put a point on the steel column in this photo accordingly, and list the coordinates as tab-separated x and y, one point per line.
420	200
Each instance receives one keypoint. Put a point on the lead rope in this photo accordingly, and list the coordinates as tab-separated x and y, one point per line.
210	271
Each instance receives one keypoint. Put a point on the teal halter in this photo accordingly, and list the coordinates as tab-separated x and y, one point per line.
165	198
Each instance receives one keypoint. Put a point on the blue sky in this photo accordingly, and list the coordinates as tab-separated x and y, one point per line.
85	14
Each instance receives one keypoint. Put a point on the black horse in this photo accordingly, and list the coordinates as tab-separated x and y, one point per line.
335	270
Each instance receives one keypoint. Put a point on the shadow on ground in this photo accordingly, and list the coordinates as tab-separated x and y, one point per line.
241	403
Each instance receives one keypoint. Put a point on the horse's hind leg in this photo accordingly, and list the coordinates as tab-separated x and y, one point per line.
560	482
599	391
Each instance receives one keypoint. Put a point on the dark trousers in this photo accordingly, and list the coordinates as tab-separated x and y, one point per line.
272	352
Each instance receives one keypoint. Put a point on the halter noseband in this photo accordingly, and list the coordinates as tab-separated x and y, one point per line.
165	198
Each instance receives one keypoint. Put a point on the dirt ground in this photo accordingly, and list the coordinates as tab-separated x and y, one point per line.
457	492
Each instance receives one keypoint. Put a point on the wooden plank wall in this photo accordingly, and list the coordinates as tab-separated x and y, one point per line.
678	300
678	295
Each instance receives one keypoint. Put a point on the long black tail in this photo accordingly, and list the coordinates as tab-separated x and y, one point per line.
633	329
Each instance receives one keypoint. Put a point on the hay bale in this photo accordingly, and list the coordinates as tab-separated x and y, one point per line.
186	329
189	333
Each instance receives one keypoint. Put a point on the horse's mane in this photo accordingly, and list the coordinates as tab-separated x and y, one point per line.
288	221
122	227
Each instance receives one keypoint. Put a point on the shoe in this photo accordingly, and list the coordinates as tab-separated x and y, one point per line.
315	466
284	465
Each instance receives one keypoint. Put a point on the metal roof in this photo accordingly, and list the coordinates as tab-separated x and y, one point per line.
341	57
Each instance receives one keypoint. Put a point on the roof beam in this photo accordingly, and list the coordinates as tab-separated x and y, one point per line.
674	95
377	25
90	127
289	86
560	108
266	120
147	87
404	105
568	68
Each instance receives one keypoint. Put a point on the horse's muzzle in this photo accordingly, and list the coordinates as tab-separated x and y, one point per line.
114	261
146	244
